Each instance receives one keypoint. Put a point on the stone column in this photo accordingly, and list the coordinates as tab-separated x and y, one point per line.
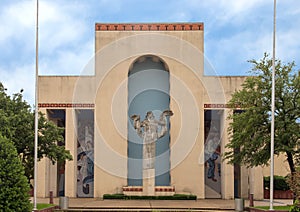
70	168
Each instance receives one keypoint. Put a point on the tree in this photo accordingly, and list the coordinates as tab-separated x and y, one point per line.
14	186
17	124
250	130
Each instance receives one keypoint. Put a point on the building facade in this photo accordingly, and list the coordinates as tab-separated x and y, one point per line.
140	68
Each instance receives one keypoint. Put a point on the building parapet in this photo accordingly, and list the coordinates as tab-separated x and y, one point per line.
149	26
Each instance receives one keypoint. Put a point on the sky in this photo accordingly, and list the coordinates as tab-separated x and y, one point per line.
235	31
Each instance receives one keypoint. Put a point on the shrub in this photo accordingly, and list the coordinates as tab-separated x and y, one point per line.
174	197
294	183
295	207
280	183
14	187
113	196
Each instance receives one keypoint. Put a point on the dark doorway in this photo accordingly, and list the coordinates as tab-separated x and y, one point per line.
237	170
59	118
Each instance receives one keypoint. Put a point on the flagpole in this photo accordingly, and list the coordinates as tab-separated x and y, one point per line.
273	112
36	107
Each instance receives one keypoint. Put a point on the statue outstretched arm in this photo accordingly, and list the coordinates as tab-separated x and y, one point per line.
163	122
137	124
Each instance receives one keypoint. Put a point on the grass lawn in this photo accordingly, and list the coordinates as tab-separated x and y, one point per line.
41	206
283	208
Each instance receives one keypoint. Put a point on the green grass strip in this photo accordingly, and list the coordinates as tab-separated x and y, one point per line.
283	208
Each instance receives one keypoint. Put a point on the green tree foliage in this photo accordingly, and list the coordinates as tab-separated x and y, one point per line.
17	124
14	186
250	130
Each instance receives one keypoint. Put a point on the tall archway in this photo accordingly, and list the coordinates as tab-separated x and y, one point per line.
148	90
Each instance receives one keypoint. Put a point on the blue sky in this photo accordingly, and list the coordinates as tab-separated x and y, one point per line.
235	31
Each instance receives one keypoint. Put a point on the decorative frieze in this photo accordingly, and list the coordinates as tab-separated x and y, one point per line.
216	106
66	105
149	27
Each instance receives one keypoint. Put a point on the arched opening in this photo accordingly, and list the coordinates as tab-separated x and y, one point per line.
148	90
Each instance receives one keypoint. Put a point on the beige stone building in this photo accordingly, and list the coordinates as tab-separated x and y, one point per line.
140	68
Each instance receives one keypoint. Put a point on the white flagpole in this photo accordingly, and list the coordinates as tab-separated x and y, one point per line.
273	112
36	107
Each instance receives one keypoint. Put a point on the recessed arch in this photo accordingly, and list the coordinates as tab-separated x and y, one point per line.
148	90
156	60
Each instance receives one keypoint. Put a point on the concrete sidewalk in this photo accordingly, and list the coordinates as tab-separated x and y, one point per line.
197	205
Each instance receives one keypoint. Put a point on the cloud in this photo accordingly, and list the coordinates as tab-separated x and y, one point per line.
229	55
61	26
235	31
21	78
16	21
69	61
232	8
66	42
242	30
287	49
17	31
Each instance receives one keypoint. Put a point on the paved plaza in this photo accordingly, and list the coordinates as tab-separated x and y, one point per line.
97	204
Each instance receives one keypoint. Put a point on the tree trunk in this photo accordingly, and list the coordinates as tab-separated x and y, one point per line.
291	162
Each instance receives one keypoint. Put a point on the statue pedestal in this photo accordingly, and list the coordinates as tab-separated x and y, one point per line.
149	182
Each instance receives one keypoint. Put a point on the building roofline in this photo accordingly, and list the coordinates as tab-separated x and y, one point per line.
188	26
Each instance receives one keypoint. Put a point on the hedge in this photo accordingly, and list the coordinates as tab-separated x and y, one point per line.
174	197
280	183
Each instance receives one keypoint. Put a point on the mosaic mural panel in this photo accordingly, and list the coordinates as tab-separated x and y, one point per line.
85	153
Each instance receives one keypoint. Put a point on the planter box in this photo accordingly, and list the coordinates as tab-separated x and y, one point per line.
278	194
